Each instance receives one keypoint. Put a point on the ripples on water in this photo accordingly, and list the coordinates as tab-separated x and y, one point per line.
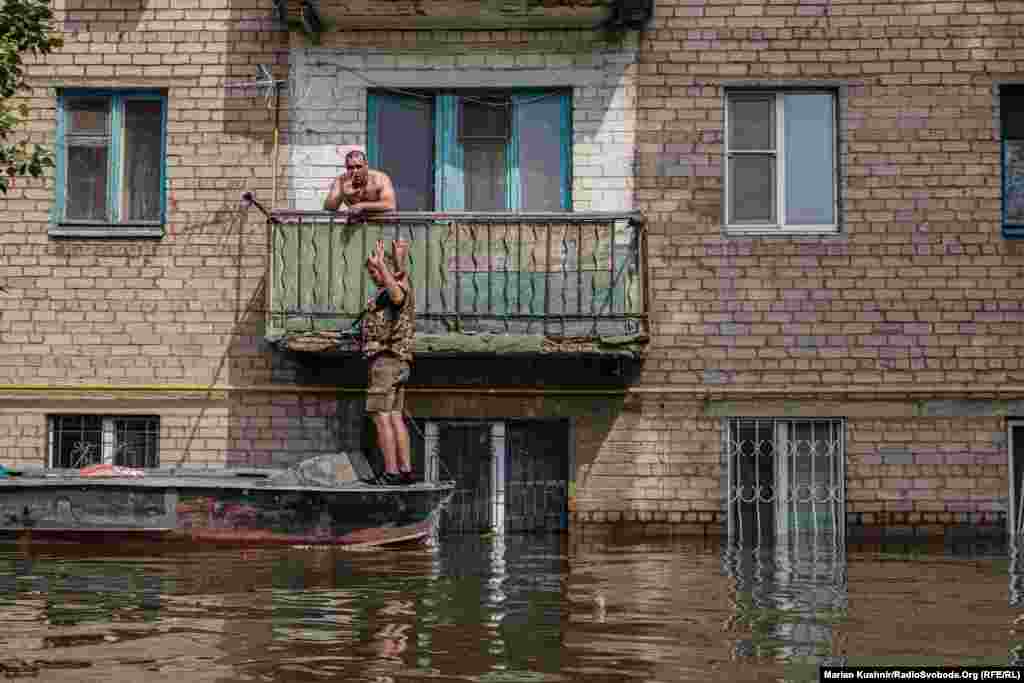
519	609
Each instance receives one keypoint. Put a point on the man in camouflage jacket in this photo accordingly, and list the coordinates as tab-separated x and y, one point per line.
389	326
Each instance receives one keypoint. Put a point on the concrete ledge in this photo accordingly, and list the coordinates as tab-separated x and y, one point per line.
634	530
626	524
630	346
917	533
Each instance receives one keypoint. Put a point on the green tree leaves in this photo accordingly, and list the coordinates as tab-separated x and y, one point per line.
25	28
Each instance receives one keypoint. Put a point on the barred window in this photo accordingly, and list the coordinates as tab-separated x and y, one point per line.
785	478
78	441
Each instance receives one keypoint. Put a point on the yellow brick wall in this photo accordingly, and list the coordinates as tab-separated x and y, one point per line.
919	288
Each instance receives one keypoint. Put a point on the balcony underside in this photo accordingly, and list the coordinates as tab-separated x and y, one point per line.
442	345
460	361
465	14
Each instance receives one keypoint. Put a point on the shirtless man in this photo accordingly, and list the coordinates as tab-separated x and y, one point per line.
362	189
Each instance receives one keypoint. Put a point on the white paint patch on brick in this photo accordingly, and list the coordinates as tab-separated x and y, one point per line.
328	110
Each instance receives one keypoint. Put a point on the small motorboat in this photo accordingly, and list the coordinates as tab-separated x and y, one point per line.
318	502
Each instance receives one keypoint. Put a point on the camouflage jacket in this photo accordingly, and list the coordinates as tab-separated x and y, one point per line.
387	327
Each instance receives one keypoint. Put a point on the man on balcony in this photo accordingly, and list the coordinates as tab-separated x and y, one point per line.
389	325
362	189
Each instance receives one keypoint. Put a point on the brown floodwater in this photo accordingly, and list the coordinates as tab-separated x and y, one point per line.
502	610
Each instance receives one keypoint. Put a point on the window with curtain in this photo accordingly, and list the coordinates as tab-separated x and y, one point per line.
474	150
780	161
110	158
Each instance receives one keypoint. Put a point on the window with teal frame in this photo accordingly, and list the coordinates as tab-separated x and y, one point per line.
111	163
1011	110
474	150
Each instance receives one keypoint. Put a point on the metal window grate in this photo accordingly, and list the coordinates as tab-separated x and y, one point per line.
78	441
785	479
1015	447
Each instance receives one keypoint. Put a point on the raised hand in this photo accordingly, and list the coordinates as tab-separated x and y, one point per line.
400	250
376	258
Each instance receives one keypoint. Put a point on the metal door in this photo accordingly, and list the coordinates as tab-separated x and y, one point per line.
536	487
465	455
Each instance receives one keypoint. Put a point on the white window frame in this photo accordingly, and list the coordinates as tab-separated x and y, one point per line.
780	227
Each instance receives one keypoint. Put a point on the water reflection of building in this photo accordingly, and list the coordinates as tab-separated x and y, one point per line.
786	599
470	607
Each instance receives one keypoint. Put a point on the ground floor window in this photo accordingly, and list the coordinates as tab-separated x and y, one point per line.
786	478
77	441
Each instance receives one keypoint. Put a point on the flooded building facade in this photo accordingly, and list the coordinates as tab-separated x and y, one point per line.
728	268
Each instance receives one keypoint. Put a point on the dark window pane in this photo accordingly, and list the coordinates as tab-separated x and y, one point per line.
752	122
541	158
405	148
77	440
483	131
86	181
465	453
485	118
87	116
485	175
143	143
809	177
1013	191
87	145
1011	111
136	441
752	189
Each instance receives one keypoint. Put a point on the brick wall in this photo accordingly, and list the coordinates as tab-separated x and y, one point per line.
182	312
919	287
195	294
919	290
927	473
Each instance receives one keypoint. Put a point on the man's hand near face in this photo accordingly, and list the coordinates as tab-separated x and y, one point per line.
362	189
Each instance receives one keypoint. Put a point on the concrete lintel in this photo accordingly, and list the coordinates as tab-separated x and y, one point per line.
969	408
808	408
480	78
865	408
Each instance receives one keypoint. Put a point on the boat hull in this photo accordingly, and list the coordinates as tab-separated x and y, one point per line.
225	512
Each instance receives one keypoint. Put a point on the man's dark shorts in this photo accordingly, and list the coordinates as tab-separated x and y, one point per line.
386	391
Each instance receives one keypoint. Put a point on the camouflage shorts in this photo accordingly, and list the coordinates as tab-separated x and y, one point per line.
386	390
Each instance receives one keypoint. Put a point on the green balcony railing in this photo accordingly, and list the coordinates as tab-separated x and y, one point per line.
569	274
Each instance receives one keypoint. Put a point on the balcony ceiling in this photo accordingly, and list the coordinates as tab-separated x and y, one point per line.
465	14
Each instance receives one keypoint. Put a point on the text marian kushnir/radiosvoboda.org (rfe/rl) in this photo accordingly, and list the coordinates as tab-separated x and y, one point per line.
915	673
